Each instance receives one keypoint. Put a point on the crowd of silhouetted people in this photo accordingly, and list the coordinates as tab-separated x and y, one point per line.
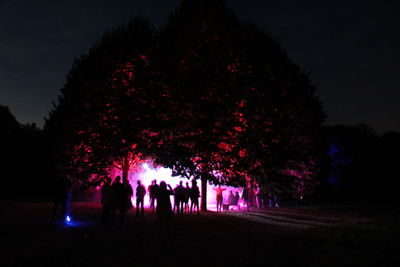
261	200
182	195
116	200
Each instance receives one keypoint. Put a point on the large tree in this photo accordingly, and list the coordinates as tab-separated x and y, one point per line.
208	96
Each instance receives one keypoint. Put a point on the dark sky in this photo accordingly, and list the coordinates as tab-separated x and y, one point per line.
349	47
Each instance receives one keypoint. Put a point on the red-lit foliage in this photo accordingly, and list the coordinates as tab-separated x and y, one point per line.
208	96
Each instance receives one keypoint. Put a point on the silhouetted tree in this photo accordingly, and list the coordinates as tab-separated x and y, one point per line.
362	165
22	158
9	131
208	96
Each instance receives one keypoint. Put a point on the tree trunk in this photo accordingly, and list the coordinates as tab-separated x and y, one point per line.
125	167
203	199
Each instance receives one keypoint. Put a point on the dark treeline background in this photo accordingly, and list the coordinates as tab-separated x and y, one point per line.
359	165
24	163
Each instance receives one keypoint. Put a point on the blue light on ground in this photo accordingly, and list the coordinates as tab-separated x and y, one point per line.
72	223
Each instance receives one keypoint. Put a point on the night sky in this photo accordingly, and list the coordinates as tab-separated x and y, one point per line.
349	47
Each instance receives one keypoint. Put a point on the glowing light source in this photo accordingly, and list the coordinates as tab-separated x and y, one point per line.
145	166
145	172
67	219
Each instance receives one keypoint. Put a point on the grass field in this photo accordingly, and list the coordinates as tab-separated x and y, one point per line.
312	236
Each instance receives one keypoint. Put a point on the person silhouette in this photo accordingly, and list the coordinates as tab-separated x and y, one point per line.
140	193
106	201
153	193
219	196
117	200
231	198
179	193
257	193
236	200
194	196
164	209
186	197
62	195
245	198
128	193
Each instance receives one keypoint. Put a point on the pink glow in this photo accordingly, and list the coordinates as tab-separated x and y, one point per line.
145	172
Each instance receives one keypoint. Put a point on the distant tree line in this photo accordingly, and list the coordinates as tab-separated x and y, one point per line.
24	169
359	165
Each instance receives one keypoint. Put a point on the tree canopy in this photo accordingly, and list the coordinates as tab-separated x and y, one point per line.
207	95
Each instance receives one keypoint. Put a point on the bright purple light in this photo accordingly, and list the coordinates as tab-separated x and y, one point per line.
146	173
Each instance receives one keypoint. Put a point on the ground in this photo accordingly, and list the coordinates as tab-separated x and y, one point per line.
307	236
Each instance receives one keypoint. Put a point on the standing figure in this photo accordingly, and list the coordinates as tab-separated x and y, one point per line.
194	196
186	197
140	193
164	209
236	200
128	193
117	201
275	200
62	195
106	201
153	193
259	198
262	197
219	196
231	199
179	193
